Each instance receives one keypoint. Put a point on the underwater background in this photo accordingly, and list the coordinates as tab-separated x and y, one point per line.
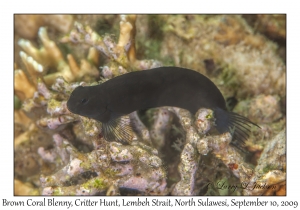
60	153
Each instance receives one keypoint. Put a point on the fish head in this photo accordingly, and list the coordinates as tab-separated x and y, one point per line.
86	101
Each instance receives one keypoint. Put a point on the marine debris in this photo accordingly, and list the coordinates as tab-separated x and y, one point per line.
172	152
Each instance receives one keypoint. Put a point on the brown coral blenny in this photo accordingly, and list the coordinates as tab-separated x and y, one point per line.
163	86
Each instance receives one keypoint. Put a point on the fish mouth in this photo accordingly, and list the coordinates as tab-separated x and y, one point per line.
69	106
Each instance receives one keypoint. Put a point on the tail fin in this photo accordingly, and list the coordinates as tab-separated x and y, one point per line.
238	126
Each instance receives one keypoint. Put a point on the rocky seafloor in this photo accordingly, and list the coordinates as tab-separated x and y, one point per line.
57	152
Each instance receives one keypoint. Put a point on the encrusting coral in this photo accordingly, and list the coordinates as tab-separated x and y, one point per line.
109	166
270	173
172	152
248	60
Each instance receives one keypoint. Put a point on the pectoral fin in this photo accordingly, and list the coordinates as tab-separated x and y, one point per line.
118	129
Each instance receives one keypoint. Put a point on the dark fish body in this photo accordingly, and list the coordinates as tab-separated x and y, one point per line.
163	86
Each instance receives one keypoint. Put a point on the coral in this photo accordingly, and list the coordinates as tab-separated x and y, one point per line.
122	54
248	59
21	122
23	86
270	173
27	162
189	156
49	56
27	26
159	128
272	25
219	145
269	105
132	167
258	78
266	110
24	189
140	128
172	152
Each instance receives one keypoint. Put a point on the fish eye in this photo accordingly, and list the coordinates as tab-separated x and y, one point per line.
84	100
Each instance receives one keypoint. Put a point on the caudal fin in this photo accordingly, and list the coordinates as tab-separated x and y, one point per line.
238	126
